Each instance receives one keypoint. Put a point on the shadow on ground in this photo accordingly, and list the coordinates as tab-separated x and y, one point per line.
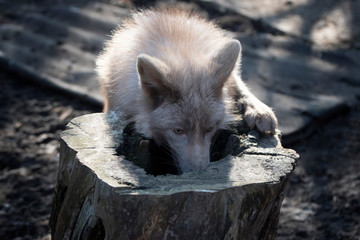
311	87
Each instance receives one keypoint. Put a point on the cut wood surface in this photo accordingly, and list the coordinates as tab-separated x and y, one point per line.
101	195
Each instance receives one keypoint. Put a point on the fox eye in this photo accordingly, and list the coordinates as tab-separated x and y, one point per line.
210	129
178	131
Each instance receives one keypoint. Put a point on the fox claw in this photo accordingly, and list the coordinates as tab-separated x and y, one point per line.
261	117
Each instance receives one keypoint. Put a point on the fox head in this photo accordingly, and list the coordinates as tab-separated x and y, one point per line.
185	106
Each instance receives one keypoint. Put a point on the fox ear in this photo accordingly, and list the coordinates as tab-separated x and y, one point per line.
153	74
224	62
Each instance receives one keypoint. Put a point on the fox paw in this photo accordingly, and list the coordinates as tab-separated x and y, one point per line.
260	116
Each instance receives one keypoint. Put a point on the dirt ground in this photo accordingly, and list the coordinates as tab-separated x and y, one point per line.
323	198
322	202
31	119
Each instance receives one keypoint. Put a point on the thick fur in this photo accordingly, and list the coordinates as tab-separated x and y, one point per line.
177	76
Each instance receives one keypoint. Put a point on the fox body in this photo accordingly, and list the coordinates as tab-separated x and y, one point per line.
177	77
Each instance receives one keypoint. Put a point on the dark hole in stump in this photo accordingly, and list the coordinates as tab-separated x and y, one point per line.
158	160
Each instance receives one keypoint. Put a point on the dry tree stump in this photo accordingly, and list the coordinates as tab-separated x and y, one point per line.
102	195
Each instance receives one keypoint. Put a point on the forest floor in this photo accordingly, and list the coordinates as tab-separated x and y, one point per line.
322	200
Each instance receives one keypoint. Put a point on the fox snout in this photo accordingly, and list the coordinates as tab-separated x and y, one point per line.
193	157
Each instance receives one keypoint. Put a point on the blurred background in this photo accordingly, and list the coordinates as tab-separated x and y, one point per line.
301	57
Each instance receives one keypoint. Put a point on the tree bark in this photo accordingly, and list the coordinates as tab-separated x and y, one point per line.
100	195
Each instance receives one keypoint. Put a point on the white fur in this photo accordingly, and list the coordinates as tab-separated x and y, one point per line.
171	70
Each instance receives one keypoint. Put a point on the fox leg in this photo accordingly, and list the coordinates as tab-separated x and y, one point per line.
256	113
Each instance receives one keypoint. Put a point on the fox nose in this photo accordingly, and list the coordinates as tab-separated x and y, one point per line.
200	160
194	164
195	158
201	165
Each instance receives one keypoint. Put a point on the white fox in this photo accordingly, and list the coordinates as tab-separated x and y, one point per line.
177	77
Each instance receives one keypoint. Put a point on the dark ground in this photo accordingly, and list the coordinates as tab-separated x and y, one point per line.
323	200
31	119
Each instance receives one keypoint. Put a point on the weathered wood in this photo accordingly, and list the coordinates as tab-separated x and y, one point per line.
101	195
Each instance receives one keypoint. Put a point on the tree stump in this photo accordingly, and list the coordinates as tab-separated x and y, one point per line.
101	195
